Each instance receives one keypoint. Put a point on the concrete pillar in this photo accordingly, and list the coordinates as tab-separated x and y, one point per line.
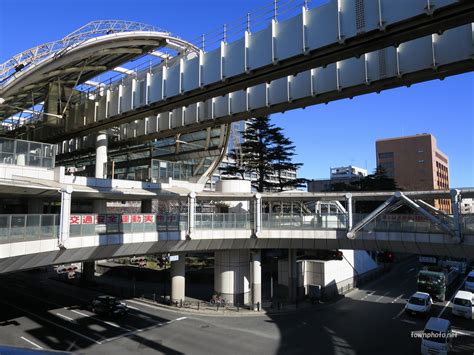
256	273
349	211
292	275
88	270
178	280
35	206
101	155
231	275
147	206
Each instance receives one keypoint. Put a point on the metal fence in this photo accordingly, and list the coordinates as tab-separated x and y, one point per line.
19	228
299	221
224	220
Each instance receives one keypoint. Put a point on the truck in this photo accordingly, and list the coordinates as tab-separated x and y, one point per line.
436	281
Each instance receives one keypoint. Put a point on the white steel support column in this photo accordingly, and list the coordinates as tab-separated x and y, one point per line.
349	210
65	215
101	155
256	273
191	213
292	274
178	280
456	207
258	215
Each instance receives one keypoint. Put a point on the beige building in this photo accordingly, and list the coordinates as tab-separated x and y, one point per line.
416	163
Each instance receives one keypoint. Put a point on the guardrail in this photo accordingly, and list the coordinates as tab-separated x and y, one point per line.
29	227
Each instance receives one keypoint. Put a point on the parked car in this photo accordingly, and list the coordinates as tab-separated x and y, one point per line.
108	305
463	304
437	337
419	303
469	284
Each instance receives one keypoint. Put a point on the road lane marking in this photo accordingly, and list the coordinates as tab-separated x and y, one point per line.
135	308
32	343
80	313
369	294
408	321
51	322
386	293
103	321
454	294
410	270
399	313
173	320
396	299
113	324
461	332
65	317
143	329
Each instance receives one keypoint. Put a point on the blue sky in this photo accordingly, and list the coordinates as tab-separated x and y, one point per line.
340	133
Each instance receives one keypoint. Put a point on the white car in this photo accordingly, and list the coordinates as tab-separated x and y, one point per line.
469	284
437	337
463	304
419	303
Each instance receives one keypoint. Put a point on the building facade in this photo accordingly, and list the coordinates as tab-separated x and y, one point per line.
416	163
338	175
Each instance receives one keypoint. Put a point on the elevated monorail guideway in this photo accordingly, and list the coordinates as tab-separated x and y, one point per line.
320	37
427	58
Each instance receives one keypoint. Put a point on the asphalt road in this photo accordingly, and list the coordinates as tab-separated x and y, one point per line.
39	313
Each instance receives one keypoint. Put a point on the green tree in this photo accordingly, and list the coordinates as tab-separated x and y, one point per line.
284	151
265	151
378	181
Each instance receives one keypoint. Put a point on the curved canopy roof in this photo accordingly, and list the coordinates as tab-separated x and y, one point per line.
95	48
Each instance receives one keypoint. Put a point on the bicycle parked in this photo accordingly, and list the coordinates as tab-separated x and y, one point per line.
217	300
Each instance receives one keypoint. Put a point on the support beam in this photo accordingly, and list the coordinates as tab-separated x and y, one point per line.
349	210
191	214
258	215
256	273
456	206
65	215
178	280
394	202
374	214
101	155
88	271
231	275
292	275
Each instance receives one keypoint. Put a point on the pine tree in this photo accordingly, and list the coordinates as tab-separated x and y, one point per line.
284	151
265	151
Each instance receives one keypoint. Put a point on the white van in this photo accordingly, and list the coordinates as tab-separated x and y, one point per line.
462	304
437	337
469	284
